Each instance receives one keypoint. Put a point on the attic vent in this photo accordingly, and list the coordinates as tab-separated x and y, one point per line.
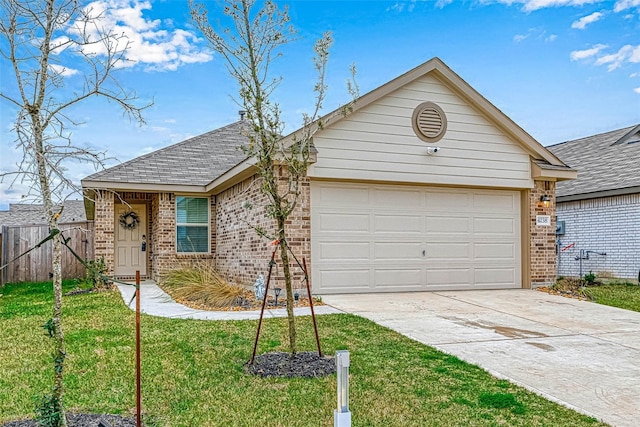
429	122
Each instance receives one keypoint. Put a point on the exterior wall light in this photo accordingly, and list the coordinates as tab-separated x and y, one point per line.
545	200
342	416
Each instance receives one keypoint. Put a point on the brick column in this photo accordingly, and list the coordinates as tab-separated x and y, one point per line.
542	238
163	230
104	228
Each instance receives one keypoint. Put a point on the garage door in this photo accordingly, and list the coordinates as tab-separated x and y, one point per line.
385	238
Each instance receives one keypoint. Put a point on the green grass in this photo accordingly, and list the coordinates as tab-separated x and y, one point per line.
622	295
193	377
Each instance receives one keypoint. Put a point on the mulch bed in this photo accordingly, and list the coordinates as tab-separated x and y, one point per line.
305	365
565	293
246	302
82	420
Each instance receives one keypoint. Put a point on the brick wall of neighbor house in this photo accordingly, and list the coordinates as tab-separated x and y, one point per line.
103	228
241	254
609	225
543	238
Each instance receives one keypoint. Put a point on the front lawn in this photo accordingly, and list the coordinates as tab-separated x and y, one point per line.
622	295
193	377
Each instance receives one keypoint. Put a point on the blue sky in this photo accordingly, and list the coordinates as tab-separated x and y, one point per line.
561	69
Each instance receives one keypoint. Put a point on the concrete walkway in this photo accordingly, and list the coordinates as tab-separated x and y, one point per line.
583	355
154	301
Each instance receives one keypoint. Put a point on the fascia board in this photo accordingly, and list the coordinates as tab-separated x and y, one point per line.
554	174
135	186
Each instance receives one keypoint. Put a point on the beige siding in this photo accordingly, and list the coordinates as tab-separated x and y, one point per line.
378	143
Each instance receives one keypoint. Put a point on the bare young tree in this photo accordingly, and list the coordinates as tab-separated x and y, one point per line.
41	39
249	47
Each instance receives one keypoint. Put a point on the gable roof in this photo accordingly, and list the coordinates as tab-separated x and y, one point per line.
546	164
192	163
212	161
608	164
33	214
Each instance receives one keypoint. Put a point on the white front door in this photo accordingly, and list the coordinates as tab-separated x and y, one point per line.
129	240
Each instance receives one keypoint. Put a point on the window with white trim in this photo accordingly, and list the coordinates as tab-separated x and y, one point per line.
192	224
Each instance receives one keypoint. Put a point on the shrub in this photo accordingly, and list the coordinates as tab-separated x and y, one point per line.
590	279
96	270
198	281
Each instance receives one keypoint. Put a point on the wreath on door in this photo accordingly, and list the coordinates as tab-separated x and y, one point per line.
129	220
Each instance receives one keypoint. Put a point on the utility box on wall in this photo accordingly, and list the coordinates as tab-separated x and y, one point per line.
560	227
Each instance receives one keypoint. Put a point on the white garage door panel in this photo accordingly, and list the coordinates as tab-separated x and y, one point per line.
495	226
401	251
398	278
399	199
384	238
351	251
495	203
448	224
350	196
340	281
448	202
494	251
450	277
397	224
495	276
340	223
444	251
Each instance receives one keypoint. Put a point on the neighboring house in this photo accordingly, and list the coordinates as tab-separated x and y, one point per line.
601	209
33	214
380	212
25	225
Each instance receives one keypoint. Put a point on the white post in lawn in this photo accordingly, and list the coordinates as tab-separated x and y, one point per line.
342	416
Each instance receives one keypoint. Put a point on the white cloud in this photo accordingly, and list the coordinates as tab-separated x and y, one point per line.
582	23
531	5
627	53
62	70
535	33
397	7
637	90
443	3
146	42
578	55
520	37
625	4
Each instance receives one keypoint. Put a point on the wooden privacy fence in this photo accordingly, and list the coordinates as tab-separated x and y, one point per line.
36	265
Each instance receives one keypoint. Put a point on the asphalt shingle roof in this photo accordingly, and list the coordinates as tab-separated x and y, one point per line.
607	161
195	161
32	214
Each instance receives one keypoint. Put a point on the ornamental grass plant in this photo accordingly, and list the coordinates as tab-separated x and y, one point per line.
198	282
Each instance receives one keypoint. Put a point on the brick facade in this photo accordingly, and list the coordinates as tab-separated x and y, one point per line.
241	254
542	238
103	223
608	225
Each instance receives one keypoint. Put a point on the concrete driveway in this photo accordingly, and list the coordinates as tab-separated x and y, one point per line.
583	355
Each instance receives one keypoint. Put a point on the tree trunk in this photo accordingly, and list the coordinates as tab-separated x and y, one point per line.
52	218
59	353
288	285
